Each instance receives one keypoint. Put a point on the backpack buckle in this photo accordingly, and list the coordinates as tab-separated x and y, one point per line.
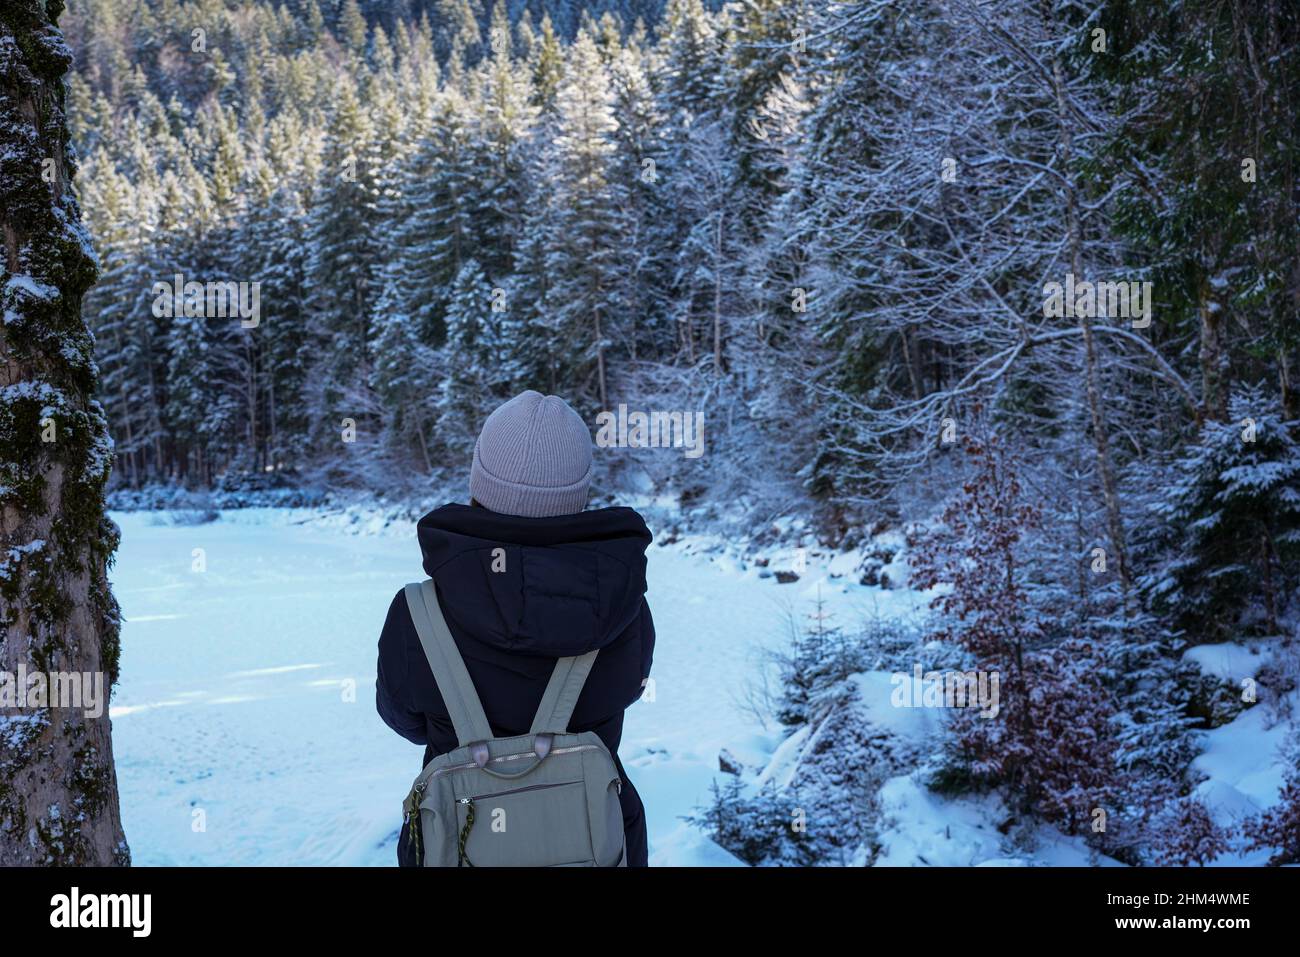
542	745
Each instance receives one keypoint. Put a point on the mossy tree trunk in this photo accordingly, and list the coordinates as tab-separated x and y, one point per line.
58	787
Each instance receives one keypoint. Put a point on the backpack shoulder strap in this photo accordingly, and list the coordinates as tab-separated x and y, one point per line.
448	666
562	693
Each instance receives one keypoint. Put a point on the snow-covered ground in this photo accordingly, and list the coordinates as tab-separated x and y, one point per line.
244	722
1243	761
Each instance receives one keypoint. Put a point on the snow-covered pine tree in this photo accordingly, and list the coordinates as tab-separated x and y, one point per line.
457	30
764	76
688	75
117	310
441	233
476	358
692	61
638	168
1226	551
821	655
526	289
505	120
277	259
342	254
204	411
586	252
352	28
408	371
546	62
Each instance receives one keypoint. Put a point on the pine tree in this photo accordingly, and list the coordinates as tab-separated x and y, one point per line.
692	61
114	307
1225	553
585	245
527	288
272	251
506	120
352	28
343	252
458	31
762	78
443	183
408	372
547	66
478	370
639	158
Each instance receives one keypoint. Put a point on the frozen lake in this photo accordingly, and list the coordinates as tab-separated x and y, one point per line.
244	722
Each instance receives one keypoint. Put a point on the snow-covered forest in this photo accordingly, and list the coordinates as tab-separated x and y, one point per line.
995	303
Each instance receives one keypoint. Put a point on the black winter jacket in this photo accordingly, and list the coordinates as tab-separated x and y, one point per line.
571	583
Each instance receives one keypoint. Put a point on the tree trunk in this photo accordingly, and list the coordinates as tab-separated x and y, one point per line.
1100	433
125	401
273	438
424	449
58	786
717	298
1214	376
600	360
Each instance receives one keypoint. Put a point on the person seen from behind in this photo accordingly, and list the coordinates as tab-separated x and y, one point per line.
568	581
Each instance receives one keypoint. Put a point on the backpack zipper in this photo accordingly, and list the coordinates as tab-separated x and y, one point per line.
532	787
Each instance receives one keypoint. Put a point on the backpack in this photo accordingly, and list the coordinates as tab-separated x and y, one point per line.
547	798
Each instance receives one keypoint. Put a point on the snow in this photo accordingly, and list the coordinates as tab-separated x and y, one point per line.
1243	764
33	288
18	553
15	729
30	390
232	698
923	828
1231	661
912	725
245	730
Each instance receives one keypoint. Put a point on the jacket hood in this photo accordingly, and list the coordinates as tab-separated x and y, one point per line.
545	586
